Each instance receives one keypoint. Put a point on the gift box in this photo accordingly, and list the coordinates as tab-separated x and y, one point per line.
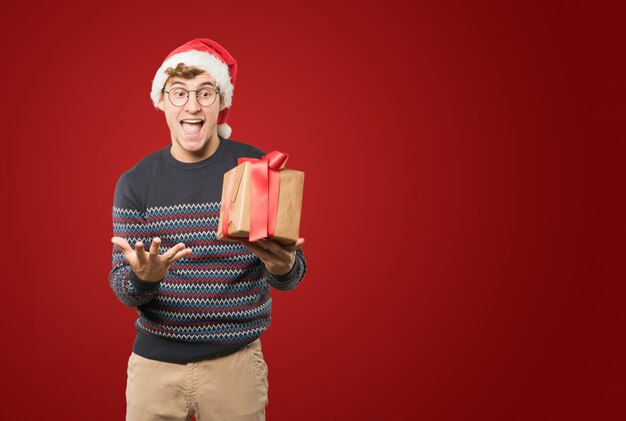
261	199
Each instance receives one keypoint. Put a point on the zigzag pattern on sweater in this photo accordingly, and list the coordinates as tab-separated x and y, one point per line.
200	310
218	293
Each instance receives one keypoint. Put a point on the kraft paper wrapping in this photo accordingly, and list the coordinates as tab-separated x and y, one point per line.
289	205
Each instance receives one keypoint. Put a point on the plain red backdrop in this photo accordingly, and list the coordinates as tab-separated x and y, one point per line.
464	208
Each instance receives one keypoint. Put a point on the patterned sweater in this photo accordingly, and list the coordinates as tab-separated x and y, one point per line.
211	302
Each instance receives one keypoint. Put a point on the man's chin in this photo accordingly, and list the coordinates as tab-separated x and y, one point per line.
192	145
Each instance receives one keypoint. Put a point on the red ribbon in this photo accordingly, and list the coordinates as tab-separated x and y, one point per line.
264	188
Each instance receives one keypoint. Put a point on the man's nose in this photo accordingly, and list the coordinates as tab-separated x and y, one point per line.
192	103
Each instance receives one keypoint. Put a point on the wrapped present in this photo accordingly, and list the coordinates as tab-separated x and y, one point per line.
261	199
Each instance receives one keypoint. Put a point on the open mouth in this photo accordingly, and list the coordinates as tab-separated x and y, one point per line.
192	126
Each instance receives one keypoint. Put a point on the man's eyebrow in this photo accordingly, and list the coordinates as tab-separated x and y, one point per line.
202	84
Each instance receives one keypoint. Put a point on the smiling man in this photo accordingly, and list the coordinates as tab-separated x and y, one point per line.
193	124
203	304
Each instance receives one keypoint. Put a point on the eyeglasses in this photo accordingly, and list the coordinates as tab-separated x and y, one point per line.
179	96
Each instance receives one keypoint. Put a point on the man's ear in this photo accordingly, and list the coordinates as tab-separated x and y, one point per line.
161	103
222	105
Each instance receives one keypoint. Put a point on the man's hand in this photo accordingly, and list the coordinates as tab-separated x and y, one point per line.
278	258
150	266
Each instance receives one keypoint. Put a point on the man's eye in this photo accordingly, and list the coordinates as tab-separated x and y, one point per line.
205	94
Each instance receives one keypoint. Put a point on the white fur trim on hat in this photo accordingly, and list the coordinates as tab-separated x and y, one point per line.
202	60
224	130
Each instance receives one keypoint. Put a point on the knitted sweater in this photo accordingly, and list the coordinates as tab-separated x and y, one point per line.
211	302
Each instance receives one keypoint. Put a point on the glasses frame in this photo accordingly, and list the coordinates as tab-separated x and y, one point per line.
217	92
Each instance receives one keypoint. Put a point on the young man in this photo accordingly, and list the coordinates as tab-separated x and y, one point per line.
202	303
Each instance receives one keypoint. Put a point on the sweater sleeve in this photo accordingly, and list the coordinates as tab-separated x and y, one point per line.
129	223
291	279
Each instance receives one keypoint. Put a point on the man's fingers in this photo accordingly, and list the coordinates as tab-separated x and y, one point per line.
180	254
272	246
154	248
278	248
169	255
257	249
121	243
141	252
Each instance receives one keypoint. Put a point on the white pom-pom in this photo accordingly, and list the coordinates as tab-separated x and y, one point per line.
224	130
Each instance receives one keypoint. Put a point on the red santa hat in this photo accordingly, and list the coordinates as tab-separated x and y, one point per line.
207	55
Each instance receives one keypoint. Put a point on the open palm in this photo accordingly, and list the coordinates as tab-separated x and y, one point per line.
150	266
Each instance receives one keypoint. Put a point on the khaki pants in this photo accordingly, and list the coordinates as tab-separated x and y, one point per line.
233	387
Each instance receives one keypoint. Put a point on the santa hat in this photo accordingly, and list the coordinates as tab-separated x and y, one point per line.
207	55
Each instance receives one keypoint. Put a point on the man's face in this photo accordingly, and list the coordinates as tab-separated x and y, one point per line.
191	139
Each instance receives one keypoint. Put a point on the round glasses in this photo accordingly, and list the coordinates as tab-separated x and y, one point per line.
179	96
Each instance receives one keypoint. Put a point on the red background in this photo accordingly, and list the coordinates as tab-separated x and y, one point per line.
464	208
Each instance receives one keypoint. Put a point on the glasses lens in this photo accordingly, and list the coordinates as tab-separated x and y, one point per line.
178	96
206	97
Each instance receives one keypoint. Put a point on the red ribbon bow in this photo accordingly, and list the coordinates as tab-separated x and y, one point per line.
264	188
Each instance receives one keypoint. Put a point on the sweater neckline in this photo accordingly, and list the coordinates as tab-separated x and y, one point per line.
169	158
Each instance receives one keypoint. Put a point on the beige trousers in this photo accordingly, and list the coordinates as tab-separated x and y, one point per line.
233	387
